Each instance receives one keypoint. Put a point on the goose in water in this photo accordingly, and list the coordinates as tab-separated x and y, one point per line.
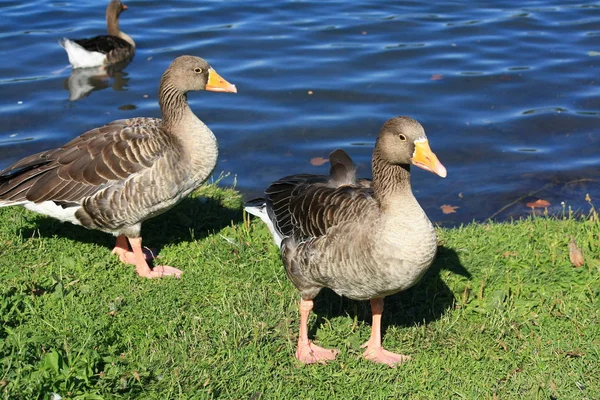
115	47
364	240
115	177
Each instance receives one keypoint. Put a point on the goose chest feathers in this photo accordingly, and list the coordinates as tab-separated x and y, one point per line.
114	177
362	239
116	47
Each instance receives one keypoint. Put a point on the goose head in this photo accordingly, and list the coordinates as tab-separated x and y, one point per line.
114	9
402	141
187	73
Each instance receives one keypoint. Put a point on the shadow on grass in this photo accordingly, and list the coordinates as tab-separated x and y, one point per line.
192	219
425	302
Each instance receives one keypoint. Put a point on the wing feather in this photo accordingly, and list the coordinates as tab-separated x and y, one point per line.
101	157
103	43
306	206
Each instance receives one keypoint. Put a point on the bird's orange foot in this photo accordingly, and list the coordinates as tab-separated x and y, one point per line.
382	356
127	256
310	353
159	271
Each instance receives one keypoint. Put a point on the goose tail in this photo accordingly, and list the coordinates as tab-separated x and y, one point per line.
80	57
258	208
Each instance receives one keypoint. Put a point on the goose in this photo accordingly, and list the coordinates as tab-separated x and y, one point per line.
114	177
363	239
100	50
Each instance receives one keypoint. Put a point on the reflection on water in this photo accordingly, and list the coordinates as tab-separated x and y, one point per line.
83	81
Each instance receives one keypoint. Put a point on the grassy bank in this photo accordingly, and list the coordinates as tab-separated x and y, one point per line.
502	314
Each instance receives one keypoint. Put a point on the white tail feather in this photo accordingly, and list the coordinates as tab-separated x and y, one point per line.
80	57
48	208
261	212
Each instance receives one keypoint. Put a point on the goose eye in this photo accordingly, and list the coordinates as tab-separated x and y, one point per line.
198	70
402	137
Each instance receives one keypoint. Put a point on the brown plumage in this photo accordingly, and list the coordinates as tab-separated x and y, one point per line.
115	47
362	239
114	177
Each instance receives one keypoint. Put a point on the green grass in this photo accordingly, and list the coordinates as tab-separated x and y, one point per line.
502	314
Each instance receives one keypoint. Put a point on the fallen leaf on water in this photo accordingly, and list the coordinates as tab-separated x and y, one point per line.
310	92
437	77
448	209
364	32
575	253
318	161
593	53
538	204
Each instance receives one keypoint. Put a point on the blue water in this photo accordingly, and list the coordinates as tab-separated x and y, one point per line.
507	91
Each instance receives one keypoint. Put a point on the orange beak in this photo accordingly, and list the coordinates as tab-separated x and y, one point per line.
218	84
426	159
124	6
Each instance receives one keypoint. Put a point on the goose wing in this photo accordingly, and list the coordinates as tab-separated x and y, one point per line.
104	156
102	44
305	206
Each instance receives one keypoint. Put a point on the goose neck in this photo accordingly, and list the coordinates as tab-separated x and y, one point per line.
112	23
391	183
173	102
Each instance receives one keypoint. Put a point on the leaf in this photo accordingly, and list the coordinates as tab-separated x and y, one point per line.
575	253
574	354
53	361
318	161
448	209
538	204
437	77
593	53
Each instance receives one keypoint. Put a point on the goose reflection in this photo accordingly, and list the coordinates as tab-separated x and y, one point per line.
83	81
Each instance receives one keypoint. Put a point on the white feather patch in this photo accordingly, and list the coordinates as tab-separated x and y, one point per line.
53	210
261	212
80	57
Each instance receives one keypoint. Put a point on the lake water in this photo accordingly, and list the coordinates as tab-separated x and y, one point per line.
507	91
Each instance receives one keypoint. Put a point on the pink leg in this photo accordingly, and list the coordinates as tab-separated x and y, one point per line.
306	351
374	351
126	256
142	267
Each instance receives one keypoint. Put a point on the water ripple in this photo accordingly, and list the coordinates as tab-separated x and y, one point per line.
508	93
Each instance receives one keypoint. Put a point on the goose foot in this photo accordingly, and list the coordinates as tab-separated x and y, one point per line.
141	265
375	352
127	256
310	353
159	271
382	356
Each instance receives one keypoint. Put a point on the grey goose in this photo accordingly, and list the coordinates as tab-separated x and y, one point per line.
114	177
363	239
113	48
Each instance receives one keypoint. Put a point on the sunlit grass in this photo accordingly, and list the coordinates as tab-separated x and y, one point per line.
502	314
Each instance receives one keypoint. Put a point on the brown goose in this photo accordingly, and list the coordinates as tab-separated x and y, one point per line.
364	240
115	47
115	177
